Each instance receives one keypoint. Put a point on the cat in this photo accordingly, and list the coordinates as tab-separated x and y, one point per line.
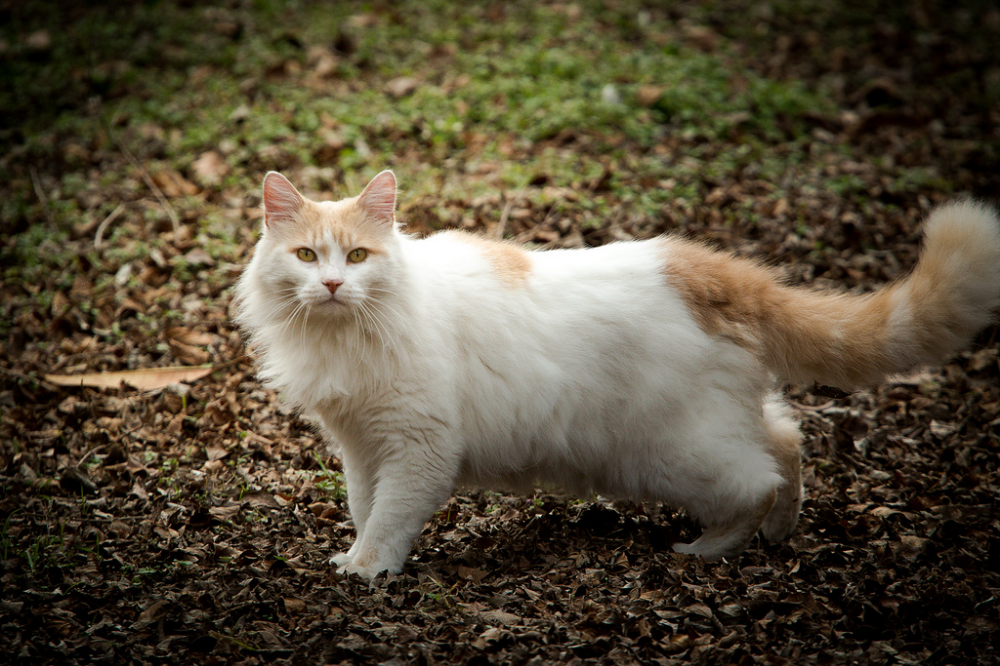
642	370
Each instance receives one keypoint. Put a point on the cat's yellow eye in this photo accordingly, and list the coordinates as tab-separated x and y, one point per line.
305	254
357	255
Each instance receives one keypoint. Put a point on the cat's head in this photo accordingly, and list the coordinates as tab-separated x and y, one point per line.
329	258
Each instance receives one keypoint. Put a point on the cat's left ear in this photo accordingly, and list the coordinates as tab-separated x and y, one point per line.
379	198
282	202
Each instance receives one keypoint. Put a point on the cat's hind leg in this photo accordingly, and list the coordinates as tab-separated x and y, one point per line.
730	537
754	483
724	472
784	447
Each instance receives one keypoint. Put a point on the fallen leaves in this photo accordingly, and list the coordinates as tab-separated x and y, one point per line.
196	524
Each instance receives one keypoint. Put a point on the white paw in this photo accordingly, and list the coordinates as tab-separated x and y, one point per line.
686	549
696	551
340	560
710	549
784	516
368	573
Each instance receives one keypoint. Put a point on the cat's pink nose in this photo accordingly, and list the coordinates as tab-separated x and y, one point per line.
332	285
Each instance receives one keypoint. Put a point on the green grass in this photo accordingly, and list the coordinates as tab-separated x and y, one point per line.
502	101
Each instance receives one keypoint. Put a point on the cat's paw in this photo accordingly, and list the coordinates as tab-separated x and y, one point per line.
368	573
366	563
340	560
689	549
716	543
784	516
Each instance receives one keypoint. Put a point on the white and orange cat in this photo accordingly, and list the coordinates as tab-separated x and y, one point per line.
642	370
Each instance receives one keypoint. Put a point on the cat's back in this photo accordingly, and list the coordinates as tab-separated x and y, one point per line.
469	261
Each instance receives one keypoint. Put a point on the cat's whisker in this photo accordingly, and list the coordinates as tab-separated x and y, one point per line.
303	326
376	328
292	319
381	304
362	339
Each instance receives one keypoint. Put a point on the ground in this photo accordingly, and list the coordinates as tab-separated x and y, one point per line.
191	521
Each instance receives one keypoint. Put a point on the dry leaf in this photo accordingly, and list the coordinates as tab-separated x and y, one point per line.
146	379
189	354
295	605
402	86
152	611
648	95
210	168
173	184
188	336
472	574
199	257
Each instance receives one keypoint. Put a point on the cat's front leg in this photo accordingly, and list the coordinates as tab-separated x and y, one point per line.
360	497
406	497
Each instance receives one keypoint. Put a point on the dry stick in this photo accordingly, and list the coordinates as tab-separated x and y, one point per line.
90	453
174	220
231	362
38	380
501	227
36	183
99	236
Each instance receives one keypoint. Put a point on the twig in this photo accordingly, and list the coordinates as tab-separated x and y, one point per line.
814	408
29	378
99	236
234	361
501	227
174	220
89	453
36	183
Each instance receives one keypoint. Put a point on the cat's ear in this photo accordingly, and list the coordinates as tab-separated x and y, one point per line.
379	198
282	202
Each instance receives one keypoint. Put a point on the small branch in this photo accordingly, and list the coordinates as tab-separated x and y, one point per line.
89	453
174	219
501	227
99	236
36	183
28	378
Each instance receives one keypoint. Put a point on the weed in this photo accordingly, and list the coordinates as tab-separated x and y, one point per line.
331	481
5	540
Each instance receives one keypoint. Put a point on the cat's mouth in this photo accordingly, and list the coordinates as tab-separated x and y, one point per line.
335	303
328	304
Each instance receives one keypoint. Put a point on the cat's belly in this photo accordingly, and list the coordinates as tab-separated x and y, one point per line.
581	468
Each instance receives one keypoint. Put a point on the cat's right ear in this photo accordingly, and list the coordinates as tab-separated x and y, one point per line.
282	202
379	198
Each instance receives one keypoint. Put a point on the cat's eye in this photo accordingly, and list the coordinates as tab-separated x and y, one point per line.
357	255
305	254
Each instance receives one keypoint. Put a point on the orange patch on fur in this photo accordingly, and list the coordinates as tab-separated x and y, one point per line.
722	292
804	335
511	263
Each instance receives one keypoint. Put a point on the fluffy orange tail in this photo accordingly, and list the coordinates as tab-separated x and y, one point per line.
848	340
851	341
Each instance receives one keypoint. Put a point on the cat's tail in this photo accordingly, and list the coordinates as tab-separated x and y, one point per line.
849	340
853	341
